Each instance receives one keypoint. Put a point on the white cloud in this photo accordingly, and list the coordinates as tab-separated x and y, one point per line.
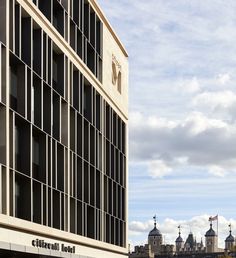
194	141
215	100
197	123
217	171
224	78
220	104
155	122
190	86
139	226
152	121
158	168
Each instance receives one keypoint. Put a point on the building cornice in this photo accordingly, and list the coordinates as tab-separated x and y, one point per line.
108	25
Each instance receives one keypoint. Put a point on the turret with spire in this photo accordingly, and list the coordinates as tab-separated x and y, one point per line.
155	238
179	242
211	240
229	241
189	245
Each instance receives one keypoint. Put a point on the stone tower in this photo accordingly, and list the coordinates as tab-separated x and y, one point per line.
229	241
155	239
211	240
179	243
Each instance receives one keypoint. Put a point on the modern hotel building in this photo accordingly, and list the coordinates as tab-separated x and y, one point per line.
63	131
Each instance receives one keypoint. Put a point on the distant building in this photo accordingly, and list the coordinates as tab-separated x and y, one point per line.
190	245
211	240
179	242
155	246
166	250
143	251
155	239
229	241
183	249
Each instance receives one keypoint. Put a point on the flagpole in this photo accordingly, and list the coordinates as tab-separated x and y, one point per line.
213	219
217	232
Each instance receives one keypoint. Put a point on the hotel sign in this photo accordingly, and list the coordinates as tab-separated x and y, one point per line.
116	68
53	246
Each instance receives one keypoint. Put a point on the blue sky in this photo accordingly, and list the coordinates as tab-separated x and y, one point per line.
182	110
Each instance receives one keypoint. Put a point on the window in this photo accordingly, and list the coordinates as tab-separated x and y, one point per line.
36	101
58	17
32	104
2	135
55	22
55	68
22	145
38	156
58	72
17	151
87	101
22	197
37	199
13	88
36	153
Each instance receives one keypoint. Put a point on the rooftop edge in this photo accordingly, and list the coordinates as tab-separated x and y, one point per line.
106	22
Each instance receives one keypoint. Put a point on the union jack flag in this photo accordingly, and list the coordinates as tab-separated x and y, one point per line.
213	218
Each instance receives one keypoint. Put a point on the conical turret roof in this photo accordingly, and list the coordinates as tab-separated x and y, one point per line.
210	232
155	232
179	239
190	240
230	238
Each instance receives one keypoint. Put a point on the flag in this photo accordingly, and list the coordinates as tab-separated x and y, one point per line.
213	218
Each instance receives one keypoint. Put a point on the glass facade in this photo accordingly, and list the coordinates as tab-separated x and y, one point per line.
67	144
84	35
